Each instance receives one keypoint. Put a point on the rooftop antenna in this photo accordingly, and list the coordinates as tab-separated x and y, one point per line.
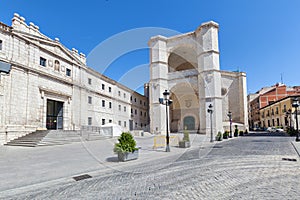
281	76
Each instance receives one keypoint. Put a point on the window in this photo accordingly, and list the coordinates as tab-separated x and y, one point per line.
119	93
135	124
68	72
89	121
119	107
135	111
119	123
124	95
103	121
144	103
103	87
90	99
43	61
124	108
131	111
141	113
134	99
89	81
141	125
1	44
109	89
145	114
284	108
109	104
110	121
103	103
124	123
130	98
141	102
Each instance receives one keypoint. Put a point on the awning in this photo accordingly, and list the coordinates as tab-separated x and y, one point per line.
4	67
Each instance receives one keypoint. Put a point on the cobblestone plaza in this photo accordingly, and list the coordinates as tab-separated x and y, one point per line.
250	167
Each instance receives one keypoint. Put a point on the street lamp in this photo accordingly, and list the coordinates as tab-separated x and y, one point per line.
166	101
296	105
210	111
230	121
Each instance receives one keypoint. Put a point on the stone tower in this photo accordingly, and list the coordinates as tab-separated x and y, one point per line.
188	66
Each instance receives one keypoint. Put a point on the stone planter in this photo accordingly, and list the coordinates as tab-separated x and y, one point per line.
184	144
126	156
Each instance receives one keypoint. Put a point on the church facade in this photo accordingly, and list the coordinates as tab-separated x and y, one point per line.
44	85
188	66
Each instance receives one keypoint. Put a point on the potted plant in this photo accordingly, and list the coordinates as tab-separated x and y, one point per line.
241	133
126	148
225	135
185	142
219	136
236	131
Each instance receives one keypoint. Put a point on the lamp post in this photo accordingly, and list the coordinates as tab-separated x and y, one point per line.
210	111
166	101
230	121
296	105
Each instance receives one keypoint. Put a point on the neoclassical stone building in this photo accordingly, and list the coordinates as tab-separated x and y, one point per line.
44	85
188	66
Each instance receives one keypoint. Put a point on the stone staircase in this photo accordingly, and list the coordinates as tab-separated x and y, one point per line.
54	137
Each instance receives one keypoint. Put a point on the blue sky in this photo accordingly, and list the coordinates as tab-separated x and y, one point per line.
260	37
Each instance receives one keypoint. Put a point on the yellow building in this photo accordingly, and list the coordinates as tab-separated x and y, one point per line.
279	113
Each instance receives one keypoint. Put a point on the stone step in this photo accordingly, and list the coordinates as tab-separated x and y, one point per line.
55	137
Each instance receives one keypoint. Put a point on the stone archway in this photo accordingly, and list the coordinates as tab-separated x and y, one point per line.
182	58
185	103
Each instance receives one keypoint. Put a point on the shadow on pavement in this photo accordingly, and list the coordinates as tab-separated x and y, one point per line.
112	159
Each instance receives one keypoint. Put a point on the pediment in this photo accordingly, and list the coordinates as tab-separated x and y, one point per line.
54	47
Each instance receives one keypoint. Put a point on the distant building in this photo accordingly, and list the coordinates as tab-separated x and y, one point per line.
264	97
44	85
279	113
188	66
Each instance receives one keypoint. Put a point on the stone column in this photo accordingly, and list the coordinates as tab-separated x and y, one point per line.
209	77
158	83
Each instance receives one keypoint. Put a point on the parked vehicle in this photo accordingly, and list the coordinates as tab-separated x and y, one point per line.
279	130
271	129
274	129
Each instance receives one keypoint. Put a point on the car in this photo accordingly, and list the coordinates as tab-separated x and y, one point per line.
274	129
271	129
279	130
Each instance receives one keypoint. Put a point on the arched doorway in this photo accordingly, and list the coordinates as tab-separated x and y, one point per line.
189	123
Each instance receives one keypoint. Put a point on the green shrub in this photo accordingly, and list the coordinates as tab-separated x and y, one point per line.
219	136
241	133
126	143
226	135
186	136
291	131
236	131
